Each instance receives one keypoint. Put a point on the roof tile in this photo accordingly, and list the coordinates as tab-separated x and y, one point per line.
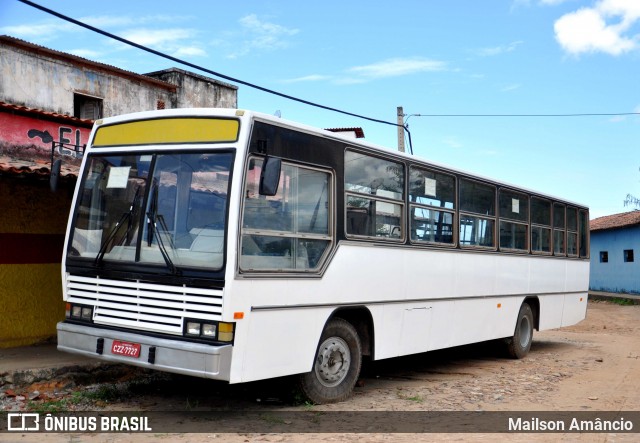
615	221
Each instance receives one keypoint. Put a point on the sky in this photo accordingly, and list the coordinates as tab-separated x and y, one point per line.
468	74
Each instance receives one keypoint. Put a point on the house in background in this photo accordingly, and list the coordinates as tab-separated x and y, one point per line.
615	253
349	132
48	103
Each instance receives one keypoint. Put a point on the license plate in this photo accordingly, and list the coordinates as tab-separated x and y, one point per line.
125	348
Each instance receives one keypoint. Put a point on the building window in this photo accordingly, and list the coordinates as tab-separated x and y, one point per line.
604	257
628	255
87	107
160	104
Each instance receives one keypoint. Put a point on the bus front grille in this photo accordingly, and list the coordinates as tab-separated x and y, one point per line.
144	306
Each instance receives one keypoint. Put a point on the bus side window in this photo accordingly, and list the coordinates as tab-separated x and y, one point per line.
572	232
540	225
477	214
289	230
514	220
432	197
374	197
584	234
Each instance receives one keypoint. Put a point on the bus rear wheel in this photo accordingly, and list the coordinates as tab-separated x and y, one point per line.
518	346
336	366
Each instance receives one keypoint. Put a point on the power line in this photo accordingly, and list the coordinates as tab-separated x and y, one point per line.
200	68
612	114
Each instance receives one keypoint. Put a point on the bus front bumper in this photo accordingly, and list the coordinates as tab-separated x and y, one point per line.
198	360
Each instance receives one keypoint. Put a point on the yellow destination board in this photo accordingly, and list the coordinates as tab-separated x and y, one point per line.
168	131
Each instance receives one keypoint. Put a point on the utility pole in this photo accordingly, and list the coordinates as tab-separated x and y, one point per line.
400	129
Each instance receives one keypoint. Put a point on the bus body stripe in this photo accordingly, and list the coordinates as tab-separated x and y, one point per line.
414	300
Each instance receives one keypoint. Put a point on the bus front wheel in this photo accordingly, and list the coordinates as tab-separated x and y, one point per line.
336	366
518	346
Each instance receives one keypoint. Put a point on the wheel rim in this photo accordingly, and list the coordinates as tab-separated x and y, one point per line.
333	362
525	332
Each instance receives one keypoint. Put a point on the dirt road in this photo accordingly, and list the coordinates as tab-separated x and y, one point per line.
593	366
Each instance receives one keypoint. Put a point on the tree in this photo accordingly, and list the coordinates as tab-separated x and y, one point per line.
632	200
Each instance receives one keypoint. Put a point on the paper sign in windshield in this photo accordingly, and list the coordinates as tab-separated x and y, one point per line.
118	177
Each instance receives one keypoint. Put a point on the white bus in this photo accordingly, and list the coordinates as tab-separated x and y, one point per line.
238	246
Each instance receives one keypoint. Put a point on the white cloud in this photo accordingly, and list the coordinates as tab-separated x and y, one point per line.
45	30
261	35
309	78
190	51
452	142
398	67
394	67
497	50
527	3
158	37
606	27
511	87
85	53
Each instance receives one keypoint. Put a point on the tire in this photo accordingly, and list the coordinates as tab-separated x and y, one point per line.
336	366
518	346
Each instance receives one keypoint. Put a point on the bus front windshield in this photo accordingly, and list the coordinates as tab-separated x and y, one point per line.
166	209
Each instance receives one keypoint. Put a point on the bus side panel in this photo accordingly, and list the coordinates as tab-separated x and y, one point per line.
575	309
577	276
281	342
467	321
551	308
401	329
547	274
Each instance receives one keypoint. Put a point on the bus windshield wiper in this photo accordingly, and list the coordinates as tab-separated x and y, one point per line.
125	216
153	225
152	219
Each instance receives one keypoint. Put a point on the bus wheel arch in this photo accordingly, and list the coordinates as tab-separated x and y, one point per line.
361	319
519	344
534	304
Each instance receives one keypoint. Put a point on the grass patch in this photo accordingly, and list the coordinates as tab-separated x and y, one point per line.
622	301
414	398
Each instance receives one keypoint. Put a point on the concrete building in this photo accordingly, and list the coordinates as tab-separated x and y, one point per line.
48	102
615	249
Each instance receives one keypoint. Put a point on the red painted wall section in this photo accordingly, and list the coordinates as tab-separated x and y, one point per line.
18	130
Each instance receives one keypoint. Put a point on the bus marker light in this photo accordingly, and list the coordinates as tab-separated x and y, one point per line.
499	305
238	315
225	331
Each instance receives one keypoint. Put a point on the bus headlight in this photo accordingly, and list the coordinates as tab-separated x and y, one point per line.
78	312
193	328
208	330
211	330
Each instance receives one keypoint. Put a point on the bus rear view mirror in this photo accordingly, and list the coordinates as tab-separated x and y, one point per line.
270	176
